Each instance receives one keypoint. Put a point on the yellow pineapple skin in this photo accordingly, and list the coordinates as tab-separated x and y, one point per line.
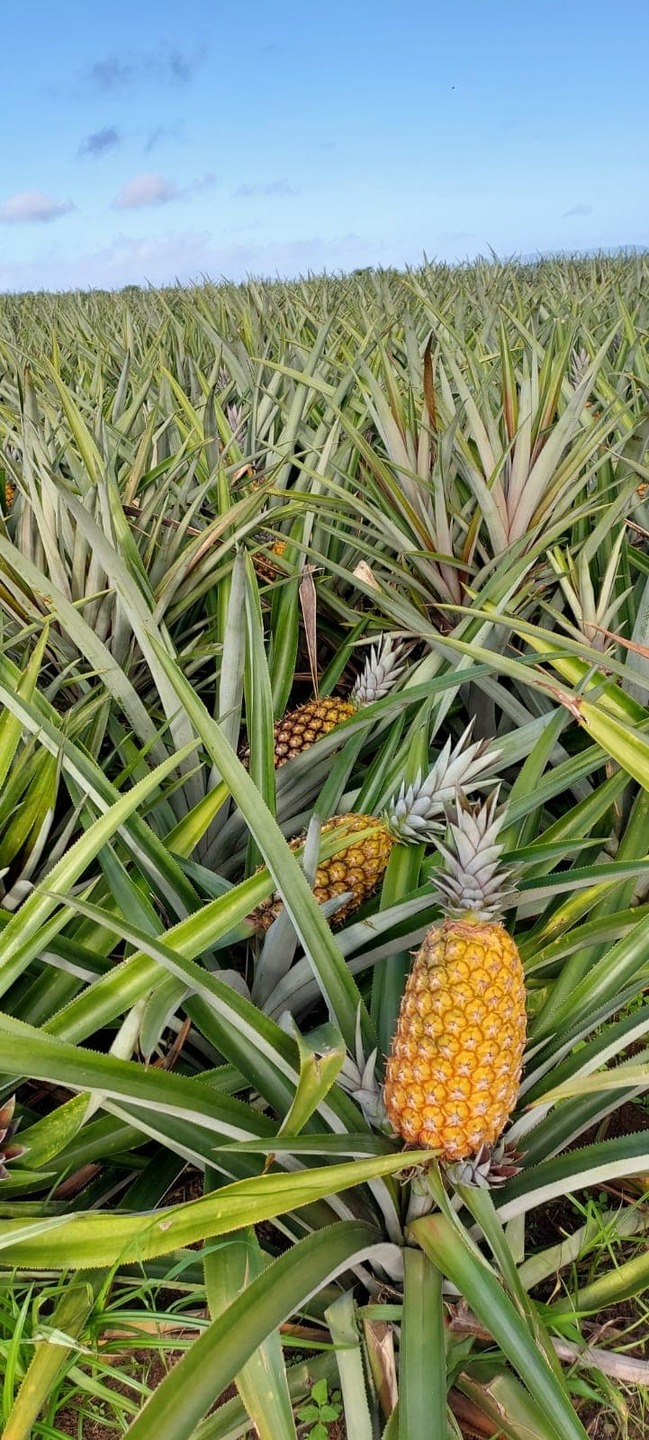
359	868
454	1069
301	728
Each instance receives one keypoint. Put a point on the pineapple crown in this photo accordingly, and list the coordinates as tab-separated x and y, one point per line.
381	670
474	882
418	812
580	360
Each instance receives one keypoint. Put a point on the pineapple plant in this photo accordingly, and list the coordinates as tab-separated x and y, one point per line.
427	474
300	729
414	814
453	1073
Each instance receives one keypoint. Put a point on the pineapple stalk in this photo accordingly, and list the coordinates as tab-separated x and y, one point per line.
453	1073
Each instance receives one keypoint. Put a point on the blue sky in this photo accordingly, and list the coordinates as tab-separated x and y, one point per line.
156	141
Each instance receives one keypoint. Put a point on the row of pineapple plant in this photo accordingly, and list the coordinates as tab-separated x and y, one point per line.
62	1060
158	628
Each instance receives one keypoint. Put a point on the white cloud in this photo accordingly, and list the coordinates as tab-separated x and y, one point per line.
578	210
151	189
33	207
146	189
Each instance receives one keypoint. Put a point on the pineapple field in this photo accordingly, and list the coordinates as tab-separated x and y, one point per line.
324	857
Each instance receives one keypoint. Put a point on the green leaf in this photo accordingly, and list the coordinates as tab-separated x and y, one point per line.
46	1138
19	936
259	702
341	1319
77	1241
234	653
575	1170
90	645
422	1356
389	978
337	985
69	1317
628	746
624	1281
10	725
262	1382
220	1353
318	1072
482	1290
480	1204
624	1077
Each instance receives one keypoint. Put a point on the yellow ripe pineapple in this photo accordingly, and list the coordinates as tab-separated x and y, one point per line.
357	870
301	728
454	1069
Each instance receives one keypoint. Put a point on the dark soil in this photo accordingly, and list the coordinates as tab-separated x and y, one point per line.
92	1419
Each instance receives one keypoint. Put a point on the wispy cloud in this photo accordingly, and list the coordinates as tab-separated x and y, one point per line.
181	67
110	74
269	189
100	142
160	134
152	189
169	65
33	207
578	210
201	185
